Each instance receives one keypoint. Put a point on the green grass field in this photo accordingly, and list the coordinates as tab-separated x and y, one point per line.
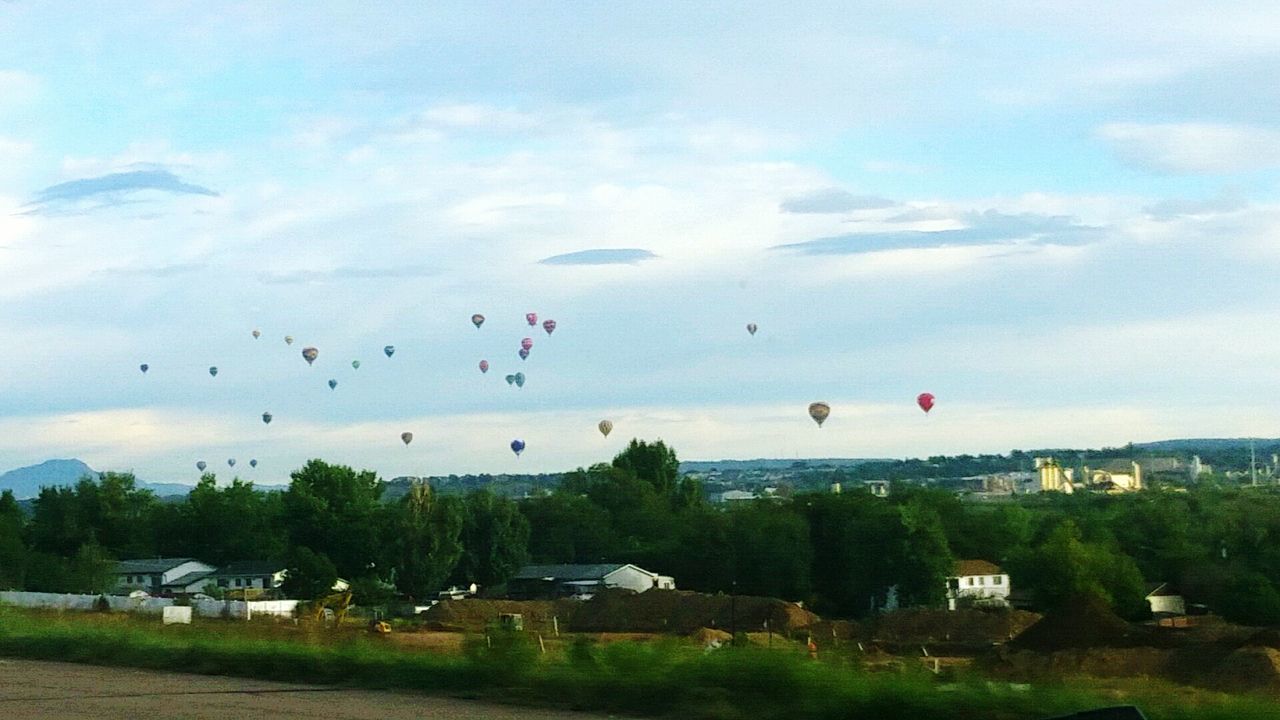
652	679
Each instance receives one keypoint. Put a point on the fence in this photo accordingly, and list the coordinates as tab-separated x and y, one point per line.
237	609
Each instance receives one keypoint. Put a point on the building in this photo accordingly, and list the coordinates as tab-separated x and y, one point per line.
977	582
160	576
1053	477
878	488
1116	476
582	581
1165	600
249	575
730	496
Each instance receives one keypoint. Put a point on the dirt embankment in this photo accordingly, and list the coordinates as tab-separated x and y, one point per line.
679	612
960	626
474	614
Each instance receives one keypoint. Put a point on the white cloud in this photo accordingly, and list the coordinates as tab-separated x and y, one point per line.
1196	148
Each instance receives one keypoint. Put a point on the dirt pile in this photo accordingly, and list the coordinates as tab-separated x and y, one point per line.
961	626
474	614
1083	623
1249	669
707	636
680	612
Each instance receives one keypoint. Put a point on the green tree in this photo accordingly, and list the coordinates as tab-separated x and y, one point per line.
109	510
223	524
771	551
13	550
310	575
495	540
654	463
427	539
336	512
567	528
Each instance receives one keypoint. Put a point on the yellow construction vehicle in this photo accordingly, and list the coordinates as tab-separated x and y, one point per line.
338	603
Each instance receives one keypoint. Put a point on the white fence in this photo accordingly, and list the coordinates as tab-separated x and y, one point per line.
149	605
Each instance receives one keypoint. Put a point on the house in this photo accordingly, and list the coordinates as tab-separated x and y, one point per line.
249	575
160	576
1165	600
977	582
878	488
582	581
729	496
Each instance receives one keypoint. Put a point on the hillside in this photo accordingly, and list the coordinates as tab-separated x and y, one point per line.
26	482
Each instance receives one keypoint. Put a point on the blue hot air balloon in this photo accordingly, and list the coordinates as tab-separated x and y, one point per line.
253	463
517	446
231	462
144	368
389	350
201	465
213	371
511	379
333	384
519	379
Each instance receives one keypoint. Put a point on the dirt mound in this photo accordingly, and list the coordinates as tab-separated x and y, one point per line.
963	626
838	631
1265	638
474	614
707	636
1081	623
680	612
1251	668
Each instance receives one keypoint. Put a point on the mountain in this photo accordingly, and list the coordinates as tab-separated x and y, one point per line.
26	482
1204	444
773	464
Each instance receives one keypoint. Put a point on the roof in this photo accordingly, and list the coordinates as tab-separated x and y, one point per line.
965	568
1161	589
150	565
1116	466
189	579
255	568
566	572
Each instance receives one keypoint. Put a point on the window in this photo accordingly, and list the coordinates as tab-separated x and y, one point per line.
982	581
239	582
997	580
222	582
970	582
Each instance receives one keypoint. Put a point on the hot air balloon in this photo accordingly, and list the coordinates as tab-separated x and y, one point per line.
256	334
355	364
606	427
266	418
144	368
819	411
531	318
389	350
752	328
517	447
526	344
511	379
288	339
213	371
524	353
333	384
549	326
201	465
925	401
484	366
520	379
310	354
406	437
477	320
231	462
253	463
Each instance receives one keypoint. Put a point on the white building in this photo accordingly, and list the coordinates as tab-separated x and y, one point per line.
249	575
878	488
583	581
1164	600
730	496
977	582
160	575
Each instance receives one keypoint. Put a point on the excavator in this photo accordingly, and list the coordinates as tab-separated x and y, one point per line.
339	603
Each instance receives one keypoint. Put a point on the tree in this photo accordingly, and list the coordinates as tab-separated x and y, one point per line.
495	540
654	463
335	511
310	575
565	528
427	540
223	524
108	510
13	551
771	551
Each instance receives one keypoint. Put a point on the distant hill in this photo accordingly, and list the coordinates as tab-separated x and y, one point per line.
26	482
773	464
1204	444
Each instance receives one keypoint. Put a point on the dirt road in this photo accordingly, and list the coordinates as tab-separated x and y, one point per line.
31	689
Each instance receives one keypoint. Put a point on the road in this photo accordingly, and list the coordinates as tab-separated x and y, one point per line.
30	689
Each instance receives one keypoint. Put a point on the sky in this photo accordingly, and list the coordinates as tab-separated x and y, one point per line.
1061	219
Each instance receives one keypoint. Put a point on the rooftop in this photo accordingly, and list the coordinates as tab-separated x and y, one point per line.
149	565
965	568
566	572
256	568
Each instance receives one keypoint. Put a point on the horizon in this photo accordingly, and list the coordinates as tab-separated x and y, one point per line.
1049	224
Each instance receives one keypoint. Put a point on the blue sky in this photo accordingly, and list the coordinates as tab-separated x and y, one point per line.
1061	219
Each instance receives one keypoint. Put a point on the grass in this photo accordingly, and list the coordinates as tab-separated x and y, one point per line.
652	679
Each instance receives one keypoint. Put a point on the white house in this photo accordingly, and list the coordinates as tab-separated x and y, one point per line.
730	496
878	488
1164	600
582	581
160	575
977	582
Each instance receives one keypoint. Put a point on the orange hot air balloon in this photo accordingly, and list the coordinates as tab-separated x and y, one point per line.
819	411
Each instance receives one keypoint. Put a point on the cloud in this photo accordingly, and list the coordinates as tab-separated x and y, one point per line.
619	256
113	189
985	228
1175	208
346	273
834	200
160	271
1194	148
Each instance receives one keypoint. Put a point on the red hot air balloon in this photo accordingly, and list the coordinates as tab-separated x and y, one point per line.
527	343
484	366
925	401
531	318
549	326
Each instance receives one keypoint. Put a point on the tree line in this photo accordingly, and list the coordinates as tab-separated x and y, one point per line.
843	554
